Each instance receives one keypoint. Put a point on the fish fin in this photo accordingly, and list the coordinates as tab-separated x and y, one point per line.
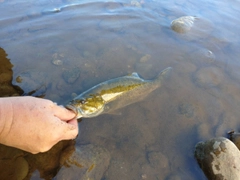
111	110
164	74
115	112
135	74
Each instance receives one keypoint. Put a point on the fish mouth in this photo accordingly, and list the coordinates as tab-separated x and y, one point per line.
78	113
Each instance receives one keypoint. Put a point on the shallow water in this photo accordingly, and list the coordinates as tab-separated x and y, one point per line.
99	40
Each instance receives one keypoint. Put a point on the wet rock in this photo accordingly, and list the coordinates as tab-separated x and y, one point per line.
219	159
157	160
57	62
136	3
201	57
192	27
47	163
70	76
235	138
86	162
57	59
186	109
208	77
183	24
145	58
31	82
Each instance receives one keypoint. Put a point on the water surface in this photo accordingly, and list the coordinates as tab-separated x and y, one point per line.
101	40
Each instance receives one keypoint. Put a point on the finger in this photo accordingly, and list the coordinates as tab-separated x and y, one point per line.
63	113
71	131
74	122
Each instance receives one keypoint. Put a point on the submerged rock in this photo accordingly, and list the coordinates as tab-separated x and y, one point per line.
57	59
201	57
219	159
192	27
157	160
208	77
183	24
70	76
86	162
31	82
186	109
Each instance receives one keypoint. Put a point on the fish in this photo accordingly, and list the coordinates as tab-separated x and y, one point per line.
114	94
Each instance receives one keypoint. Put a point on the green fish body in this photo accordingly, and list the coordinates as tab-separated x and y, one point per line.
114	94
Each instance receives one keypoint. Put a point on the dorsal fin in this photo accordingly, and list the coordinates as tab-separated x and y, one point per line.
134	74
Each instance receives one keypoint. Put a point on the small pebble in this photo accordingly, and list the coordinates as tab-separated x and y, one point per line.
57	62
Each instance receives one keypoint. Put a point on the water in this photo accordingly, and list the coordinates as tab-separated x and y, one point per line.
155	138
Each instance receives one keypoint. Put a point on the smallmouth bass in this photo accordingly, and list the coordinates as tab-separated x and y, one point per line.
114	94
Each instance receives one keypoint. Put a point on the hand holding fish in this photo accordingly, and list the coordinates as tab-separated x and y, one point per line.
34	124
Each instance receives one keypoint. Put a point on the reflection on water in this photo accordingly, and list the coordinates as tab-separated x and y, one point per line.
64	47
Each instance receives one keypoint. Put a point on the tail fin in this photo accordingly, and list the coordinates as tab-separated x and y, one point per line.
164	74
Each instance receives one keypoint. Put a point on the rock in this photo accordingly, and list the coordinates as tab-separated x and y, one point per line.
219	159
235	138
145	58
157	160
136	3
186	109
71	75
57	62
208	77
86	162
192	27
47	164
31	82
57	59
201	57
183	24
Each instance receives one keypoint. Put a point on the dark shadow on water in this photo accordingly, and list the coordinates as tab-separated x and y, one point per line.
6	74
27	84
17	164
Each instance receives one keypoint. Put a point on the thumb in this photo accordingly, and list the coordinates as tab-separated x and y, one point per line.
63	113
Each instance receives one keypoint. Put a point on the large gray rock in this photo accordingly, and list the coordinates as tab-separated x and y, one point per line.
219	159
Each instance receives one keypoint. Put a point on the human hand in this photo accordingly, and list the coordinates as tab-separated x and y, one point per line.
34	124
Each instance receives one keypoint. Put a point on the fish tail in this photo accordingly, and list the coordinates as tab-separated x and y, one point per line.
164	74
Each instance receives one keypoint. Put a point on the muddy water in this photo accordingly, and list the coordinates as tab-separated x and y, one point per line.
60	48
